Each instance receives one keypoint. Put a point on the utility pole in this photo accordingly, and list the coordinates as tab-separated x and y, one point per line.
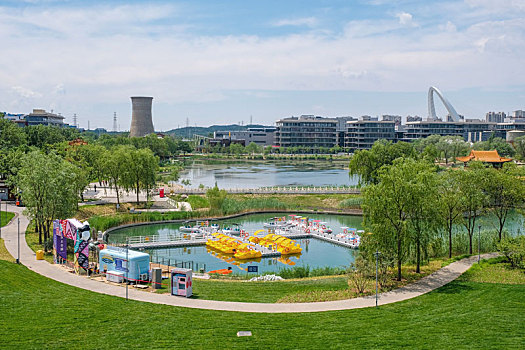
115	121
18	258
376	254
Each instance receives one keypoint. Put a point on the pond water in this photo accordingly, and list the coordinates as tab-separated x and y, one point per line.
253	174
316	253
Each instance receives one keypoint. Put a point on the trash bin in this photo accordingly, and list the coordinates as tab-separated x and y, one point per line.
39	255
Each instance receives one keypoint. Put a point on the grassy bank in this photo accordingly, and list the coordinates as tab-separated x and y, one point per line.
313	289
4	254
6	217
39	312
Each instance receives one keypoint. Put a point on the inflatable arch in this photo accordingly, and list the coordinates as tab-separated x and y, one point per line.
431	108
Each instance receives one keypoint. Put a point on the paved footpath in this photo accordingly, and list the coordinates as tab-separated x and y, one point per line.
27	257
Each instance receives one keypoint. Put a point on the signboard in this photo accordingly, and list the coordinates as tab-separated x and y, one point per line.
120	265
59	242
253	269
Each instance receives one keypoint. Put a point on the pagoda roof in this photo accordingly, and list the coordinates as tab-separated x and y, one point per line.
484	156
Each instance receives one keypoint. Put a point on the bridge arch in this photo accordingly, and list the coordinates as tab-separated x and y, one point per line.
432	109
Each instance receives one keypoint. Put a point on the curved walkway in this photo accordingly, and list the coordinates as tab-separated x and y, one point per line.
27	257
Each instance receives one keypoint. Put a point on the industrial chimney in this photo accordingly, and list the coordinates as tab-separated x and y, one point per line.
141	120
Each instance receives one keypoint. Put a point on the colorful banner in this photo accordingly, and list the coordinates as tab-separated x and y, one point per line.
59	242
83	254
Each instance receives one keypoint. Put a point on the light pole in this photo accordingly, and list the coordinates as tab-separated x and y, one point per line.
479	243
18	258
376	254
127	266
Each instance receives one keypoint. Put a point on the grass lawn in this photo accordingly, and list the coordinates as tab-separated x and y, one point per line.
4	254
39	312
494	271
6	217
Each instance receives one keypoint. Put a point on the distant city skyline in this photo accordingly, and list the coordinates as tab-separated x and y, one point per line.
231	62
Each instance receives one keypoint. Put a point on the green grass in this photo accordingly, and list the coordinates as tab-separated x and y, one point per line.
41	313
263	292
4	254
6	217
495	270
198	202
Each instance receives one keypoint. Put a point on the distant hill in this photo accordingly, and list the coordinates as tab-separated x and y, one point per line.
188	132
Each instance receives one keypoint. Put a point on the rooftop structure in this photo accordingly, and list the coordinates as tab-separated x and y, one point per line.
432	109
485	156
41	117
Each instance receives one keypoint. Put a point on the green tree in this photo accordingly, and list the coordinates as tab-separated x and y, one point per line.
449	203
47	186
236	148
387	208
366	163
141	171
473	198
422	207
216	197
11	136
116	166
519	146
505	191
253	148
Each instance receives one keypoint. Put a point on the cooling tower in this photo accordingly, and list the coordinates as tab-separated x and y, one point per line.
141	120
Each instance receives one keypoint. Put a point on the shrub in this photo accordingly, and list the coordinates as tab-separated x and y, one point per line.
360	274
353	202
514	250
198	202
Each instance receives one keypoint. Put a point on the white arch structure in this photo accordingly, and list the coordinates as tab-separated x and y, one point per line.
432	109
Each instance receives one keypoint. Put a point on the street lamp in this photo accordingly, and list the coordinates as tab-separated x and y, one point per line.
127	266
376	254
18	258
479	243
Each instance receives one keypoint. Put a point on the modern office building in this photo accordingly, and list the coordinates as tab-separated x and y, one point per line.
518	114
470	130
361	134
41	117
262	136
306	131
493	117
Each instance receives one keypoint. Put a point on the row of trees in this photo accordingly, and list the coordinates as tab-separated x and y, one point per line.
410	205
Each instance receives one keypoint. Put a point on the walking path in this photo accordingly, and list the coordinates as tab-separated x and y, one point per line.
27	257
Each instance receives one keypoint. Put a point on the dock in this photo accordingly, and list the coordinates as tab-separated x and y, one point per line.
152	242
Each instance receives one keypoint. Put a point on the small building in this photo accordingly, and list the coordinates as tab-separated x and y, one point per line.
491	157
114	261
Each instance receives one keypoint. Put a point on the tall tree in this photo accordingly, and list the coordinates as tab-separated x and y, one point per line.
505	191
117	165
387	207
473	198
449	203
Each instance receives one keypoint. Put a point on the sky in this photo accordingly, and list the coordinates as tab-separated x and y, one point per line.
222	62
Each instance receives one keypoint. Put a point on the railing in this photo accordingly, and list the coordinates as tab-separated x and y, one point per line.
277	189
162	239
168	263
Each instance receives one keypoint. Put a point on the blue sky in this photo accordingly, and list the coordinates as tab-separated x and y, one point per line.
222	62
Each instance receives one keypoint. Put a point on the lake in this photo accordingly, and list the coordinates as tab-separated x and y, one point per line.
254	174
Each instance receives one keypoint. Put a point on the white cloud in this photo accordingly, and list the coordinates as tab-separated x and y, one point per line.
25	92
404	18
297	22
103	55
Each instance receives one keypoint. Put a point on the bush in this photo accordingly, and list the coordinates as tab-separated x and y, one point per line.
360	274
306	271
230	206
514	250
353	202
198	202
